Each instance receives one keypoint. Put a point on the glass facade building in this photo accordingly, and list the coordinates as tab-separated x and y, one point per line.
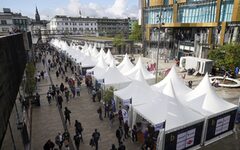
199	24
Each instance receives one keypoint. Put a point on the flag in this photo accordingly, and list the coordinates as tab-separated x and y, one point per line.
160	126
80	13
125	115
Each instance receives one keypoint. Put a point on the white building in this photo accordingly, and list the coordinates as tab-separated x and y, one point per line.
88	26
12	22
73	25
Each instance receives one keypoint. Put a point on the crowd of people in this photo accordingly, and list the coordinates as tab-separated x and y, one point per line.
66	71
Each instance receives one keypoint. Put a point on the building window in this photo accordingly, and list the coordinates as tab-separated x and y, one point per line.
66	23
3	22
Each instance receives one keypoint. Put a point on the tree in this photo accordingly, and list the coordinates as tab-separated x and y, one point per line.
119	42
226	56
108	94
30	80
136	34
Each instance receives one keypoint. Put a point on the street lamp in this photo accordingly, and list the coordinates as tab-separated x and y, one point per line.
158	44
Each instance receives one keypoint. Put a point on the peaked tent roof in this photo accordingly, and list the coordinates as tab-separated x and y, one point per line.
178	83
100	68
113	76
126	65
204	99
101	53
167	107
139	91
139	66
88	62
94	51
109	58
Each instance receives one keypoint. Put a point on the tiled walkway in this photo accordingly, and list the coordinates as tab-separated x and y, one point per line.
46	121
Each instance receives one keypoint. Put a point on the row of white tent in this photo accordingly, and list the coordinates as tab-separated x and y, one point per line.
192	117
88	55
103	66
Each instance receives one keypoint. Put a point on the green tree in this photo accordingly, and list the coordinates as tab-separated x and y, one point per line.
226	56
108	94
119	42
136	34
30	80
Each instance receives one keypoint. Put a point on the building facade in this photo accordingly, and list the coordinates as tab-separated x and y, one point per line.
189	27
12	22
88	26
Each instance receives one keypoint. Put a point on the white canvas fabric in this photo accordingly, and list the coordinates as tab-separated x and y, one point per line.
179	84
100	68
114	78
204	100
138	90
126	65
168	107
139	66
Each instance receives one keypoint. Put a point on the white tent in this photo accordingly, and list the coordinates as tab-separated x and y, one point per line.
169	108
100	68
94	51
220	114
114	78
178	83
109	58
180	120
126	65
87	62
138	90
148	76
101	53
205	100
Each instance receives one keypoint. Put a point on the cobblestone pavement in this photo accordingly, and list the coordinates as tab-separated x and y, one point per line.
46	121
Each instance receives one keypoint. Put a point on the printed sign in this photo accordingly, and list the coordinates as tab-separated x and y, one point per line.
185	139
222	125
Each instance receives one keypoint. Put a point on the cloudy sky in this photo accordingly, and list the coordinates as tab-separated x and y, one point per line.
92	8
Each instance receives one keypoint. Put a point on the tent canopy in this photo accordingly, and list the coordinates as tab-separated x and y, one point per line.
139	66
178	83
138	90
126	65
99	69
204	99
113	76
167	107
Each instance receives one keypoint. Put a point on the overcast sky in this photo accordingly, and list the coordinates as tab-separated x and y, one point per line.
92	8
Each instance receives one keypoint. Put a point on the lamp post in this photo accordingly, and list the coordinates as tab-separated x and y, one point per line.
158	44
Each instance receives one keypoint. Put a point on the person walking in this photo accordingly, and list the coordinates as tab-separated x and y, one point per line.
49	145
67	113
119	134
66	139
79	129
59	140
113	147
111	118
62	87
134	133
99	111
67	94
96	137
126	130
77	140
49	97
122	146
37	99
60	100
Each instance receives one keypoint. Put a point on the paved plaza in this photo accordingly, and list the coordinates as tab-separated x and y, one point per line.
46	120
